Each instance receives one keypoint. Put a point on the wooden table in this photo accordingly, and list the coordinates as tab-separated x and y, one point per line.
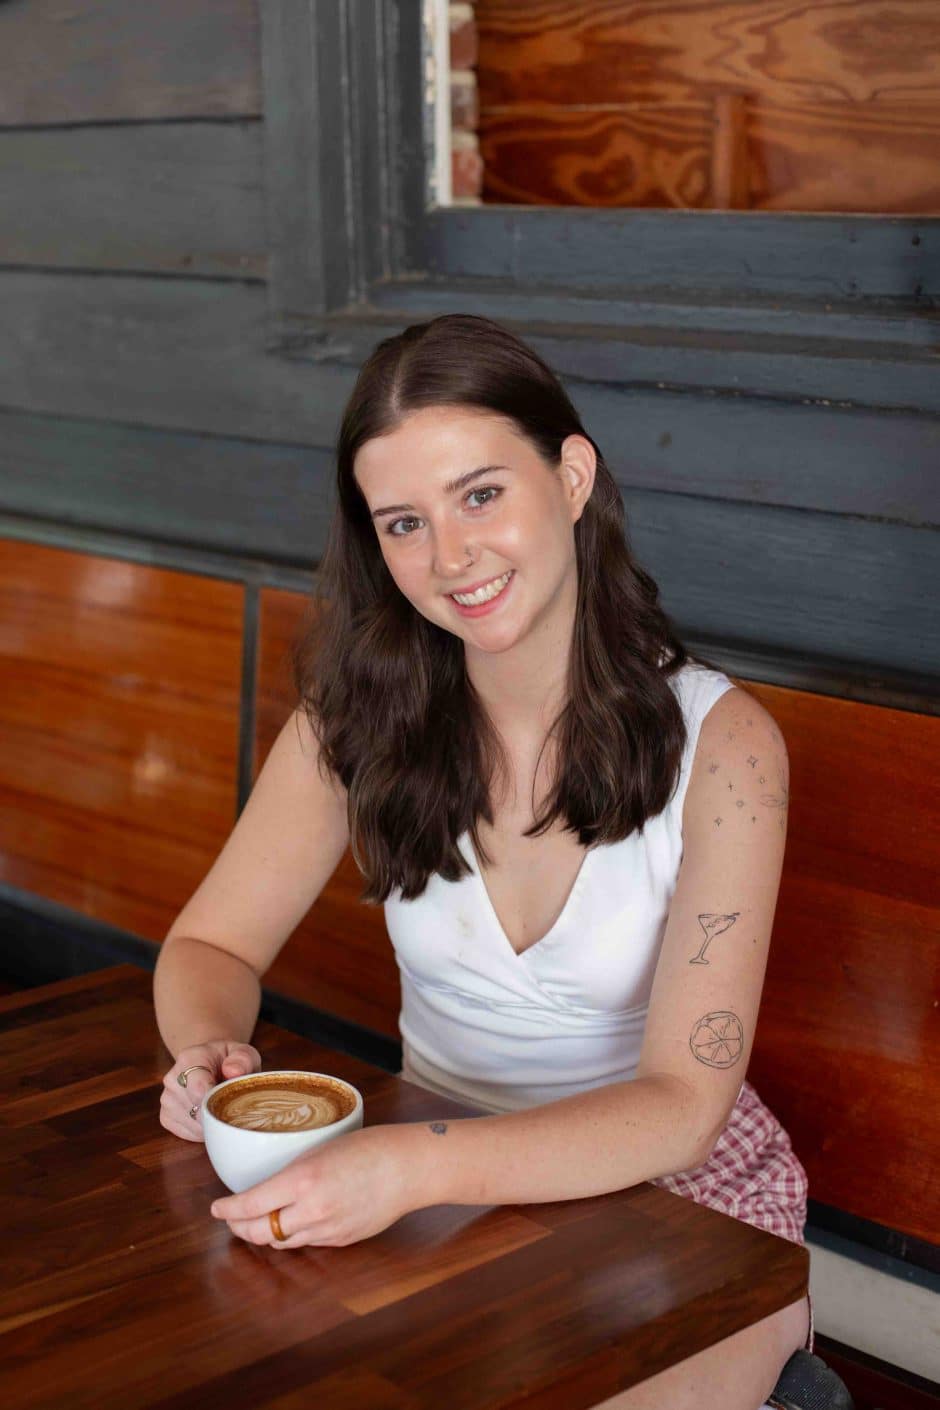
119	1290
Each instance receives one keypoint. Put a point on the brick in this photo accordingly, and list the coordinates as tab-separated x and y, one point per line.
464	108
466	167
463	37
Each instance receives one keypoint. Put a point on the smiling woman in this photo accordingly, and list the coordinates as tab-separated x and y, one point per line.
555	804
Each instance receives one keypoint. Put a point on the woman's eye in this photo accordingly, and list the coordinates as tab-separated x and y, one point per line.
397	531
491	491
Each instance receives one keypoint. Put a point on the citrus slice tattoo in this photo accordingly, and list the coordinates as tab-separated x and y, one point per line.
712	924
717	1040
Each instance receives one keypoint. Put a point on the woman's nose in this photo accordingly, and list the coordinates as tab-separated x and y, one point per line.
451	554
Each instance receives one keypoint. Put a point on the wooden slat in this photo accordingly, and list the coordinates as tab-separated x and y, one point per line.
872	157
562	51
180	354
128	59
183	198
340	957
118	747
257	498
848	1044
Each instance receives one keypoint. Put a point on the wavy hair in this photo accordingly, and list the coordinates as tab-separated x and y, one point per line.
386	691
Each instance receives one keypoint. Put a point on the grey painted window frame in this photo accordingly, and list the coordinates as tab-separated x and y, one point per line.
799	318
349	128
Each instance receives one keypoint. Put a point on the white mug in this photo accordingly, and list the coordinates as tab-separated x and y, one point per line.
242	1158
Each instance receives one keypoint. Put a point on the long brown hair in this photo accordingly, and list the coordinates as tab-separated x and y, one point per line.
385	690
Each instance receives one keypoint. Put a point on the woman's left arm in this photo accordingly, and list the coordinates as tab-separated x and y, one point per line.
698	1038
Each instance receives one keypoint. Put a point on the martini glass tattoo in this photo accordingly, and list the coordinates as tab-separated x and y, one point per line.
712	925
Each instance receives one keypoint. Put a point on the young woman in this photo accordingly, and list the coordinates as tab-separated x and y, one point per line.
576	831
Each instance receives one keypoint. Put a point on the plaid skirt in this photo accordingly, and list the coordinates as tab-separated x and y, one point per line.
752	1174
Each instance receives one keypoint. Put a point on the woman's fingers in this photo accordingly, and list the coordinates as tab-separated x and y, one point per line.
179	1104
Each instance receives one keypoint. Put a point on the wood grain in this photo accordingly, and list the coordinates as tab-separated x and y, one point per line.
121	1290
818	157
340	958
126	59
848	1044
119	731
610	103
562	51
181	198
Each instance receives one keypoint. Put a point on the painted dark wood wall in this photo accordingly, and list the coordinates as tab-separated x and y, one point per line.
768	396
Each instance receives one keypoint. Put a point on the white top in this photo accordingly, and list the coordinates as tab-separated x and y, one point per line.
506	1031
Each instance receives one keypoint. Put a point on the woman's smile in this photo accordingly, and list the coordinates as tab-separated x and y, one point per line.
483	599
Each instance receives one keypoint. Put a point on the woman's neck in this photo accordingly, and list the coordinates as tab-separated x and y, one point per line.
524	689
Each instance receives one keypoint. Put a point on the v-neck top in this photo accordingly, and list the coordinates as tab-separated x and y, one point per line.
503	1030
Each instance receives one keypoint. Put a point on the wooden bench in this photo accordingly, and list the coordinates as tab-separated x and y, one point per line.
119	770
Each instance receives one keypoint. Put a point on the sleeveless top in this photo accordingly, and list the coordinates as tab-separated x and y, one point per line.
503	1030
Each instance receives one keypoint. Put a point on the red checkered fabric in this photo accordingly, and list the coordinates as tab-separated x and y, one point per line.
752	1174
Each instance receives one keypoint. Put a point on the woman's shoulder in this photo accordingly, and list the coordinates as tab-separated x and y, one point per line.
698	687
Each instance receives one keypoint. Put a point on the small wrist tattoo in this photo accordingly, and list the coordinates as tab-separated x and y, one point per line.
438	1127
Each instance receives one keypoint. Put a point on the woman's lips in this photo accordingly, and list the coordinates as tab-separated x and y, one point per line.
481	609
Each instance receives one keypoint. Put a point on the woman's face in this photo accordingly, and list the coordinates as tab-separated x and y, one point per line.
463	504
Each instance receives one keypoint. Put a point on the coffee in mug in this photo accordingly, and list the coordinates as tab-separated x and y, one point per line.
255	1125
283	1102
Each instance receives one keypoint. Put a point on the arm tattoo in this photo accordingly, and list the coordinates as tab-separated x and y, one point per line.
712	925
438	1127
717	1039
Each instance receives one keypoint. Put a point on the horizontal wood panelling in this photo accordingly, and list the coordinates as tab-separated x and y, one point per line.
824	585
254	498
708	254
617	51
823	157
812	353
184	354
128	59
182	198
778	579
118	747
848	1043
340	958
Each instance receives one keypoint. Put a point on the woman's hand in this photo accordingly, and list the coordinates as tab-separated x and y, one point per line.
346	1190
214	1062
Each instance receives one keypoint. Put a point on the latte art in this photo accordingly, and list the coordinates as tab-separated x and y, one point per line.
282	1102
280	1109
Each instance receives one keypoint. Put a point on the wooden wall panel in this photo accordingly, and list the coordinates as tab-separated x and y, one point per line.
119	737
180	353
340	958
612	103
128	59
182	198
252	498
848	1043
616	51
824	157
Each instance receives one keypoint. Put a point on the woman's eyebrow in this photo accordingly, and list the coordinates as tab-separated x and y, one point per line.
452	487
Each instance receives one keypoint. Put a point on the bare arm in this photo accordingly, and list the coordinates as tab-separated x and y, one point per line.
284	848
702	1014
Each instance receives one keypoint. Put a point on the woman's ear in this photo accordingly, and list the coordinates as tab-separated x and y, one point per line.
578	467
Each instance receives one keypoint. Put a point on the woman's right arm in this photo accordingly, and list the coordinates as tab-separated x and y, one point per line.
283	850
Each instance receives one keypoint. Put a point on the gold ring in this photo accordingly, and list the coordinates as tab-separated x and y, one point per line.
274	1219
193	1109
197	1067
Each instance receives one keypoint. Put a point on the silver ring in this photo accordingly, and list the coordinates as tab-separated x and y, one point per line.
196	1067
193	1110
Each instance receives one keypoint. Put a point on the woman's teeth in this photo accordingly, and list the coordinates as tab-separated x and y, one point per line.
483	594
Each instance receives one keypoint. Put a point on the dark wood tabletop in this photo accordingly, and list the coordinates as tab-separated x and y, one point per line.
120	1290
